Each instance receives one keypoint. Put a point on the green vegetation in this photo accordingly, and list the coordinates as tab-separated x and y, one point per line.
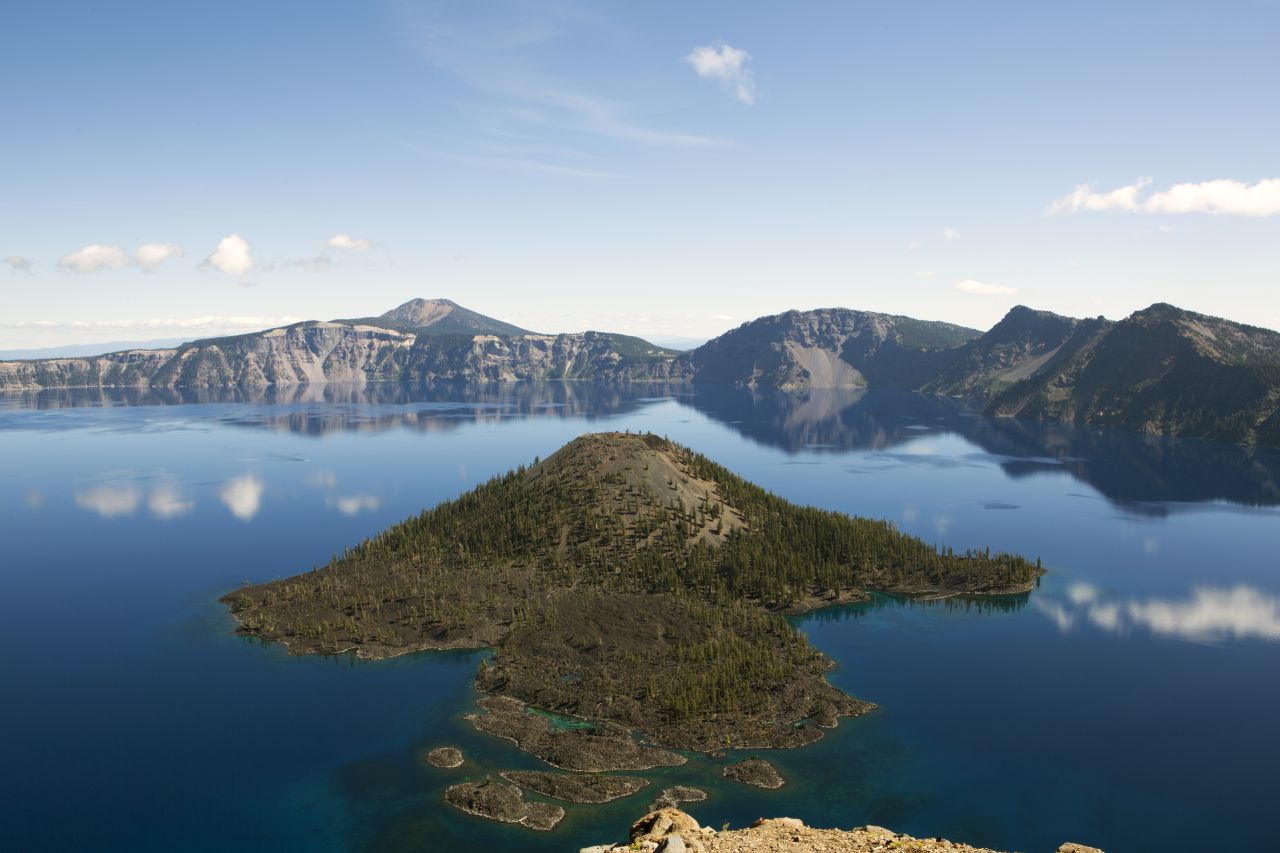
626	579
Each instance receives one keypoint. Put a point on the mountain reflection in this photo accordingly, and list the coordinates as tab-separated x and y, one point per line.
1145	475
321	409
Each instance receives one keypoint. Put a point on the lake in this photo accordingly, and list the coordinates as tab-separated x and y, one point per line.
1130	702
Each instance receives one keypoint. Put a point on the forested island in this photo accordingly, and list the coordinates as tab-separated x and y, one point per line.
626	581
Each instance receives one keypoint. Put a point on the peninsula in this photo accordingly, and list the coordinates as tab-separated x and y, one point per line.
626	581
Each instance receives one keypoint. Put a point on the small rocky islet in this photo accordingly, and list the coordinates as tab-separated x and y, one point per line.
576	787
754	771
676	795
504	802
444	757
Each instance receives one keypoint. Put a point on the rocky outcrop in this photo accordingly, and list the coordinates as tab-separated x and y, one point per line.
504	802
444	757
755	771
576	787
672	831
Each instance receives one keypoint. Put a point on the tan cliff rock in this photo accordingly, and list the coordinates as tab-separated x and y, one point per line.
670	830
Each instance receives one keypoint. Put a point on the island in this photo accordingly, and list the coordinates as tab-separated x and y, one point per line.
755	771
630	584
504	802
444	757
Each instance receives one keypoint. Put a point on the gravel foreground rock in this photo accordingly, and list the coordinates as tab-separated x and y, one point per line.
673	831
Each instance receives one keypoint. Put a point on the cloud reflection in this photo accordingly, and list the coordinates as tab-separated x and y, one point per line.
354	504
167	501
1210	613
243	496
109	500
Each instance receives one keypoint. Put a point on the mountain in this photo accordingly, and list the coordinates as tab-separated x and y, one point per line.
624	580
827	348
440	317
419	340
1162	370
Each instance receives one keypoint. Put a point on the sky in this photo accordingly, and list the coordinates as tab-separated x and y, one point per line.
664	169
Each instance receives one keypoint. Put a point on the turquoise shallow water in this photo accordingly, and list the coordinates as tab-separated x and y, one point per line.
1129	702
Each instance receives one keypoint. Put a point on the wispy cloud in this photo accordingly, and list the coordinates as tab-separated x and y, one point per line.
1220	197
727	65
509	64
984	288
17	263
344	241
950	234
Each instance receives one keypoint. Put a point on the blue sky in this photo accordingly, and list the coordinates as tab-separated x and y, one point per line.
669	170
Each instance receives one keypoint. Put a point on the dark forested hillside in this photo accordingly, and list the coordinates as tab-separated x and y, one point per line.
624	579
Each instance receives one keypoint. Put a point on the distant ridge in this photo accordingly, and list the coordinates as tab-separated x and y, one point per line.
1161	371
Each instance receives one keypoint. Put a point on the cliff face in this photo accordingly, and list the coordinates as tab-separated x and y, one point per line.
316	352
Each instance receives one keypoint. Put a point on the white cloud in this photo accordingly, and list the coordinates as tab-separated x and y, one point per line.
95	257
110	501
354	504
342	241
17	263
983	288
726	64
151	255
1220	197
243	496
231	257
950	234
167	501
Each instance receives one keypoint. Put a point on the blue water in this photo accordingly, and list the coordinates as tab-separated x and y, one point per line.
1130	702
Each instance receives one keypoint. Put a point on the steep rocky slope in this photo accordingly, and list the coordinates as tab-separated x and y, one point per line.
827	348
1162	370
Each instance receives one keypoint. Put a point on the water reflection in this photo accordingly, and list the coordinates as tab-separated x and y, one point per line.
1211	613
958	603
243	496
1148	476
122	494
